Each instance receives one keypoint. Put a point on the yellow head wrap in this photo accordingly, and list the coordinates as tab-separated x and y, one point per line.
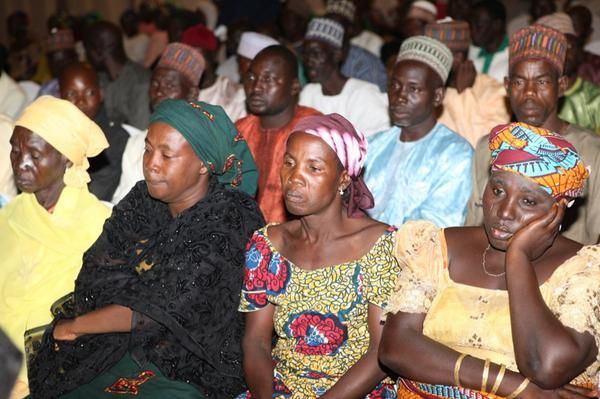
69	131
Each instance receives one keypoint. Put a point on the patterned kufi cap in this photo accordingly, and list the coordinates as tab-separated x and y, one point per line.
184	59
345	8
60	39
559	21
252	43
538	41
454	34
422	10
325	30
431	52
540	155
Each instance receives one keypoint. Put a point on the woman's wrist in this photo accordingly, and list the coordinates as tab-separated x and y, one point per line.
515	253
65	331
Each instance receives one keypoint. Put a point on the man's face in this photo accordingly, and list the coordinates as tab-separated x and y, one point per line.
82	89
413	27
167	83
95	55
539	8
58	60
268	85
459	9
412	93
533	89
481	23
319	61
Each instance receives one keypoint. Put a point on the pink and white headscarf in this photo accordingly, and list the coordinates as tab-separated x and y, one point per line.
350	147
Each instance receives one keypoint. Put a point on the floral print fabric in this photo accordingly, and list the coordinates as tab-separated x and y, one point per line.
321	315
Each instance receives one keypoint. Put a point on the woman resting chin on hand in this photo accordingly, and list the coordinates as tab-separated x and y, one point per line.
508	309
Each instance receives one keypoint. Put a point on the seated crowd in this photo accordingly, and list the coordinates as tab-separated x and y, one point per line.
336	200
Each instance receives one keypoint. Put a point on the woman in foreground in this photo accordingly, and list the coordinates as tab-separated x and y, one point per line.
154	308
321	280
509	309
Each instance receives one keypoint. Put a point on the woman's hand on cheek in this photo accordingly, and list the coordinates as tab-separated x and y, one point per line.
538	235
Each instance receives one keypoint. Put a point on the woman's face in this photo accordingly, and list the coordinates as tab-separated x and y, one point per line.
173	172
311	175
510	202
37	166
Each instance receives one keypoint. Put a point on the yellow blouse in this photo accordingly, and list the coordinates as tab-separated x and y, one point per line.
41	254
476	320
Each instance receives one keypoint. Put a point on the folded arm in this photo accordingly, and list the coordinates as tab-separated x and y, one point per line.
108	319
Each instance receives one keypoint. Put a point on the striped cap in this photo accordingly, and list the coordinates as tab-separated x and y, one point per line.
454	34
431	52
184	59
345	8
325	30
538	41
60	39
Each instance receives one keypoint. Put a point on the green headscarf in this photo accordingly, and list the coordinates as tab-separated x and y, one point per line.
214	139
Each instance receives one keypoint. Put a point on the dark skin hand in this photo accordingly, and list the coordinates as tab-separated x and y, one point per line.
436	362
109	319
553	352
465	75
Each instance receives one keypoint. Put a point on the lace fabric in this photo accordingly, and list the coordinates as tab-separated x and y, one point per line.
180	276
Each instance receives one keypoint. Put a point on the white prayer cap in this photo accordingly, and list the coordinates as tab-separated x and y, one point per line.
430	52
325	30
422	9
345	8
252	43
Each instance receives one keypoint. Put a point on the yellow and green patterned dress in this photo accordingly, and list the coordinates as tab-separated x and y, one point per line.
320	315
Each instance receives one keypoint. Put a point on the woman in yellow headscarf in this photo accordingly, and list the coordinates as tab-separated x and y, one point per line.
46	229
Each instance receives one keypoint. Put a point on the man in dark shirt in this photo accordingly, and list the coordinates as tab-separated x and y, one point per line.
124	82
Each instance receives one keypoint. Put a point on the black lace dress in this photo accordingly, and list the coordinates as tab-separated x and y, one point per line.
181	276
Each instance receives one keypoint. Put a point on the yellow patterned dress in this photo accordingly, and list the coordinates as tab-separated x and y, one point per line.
476	320
320	316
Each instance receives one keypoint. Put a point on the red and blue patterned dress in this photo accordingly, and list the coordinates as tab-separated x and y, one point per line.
320	315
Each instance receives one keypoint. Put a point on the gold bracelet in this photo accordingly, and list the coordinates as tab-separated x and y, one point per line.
457	369
484	377
498	381
519	389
